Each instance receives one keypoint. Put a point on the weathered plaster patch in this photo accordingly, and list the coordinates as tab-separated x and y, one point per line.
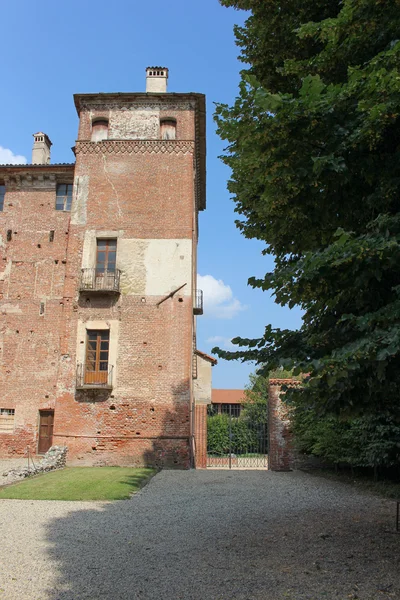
148	267
79	200
134	124
131	261
11	309
166	270
7	271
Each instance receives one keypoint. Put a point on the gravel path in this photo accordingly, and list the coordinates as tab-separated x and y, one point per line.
205	535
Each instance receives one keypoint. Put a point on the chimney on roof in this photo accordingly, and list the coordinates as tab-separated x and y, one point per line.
156	79
41	149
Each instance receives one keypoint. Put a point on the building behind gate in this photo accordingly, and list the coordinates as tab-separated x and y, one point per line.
98	293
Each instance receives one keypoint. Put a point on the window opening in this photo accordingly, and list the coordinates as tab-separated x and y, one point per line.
9	235
168	129
233	409
41	309
51	236
106	257
97	350
7	419
99	130
2	194
64	196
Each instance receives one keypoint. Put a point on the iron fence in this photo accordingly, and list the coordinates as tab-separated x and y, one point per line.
236	442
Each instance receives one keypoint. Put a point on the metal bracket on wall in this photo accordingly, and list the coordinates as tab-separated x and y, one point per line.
171	294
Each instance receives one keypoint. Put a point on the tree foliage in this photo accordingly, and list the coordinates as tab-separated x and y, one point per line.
244	436
249	430
370	440
313	146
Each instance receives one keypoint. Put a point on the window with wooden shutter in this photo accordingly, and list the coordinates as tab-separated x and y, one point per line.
7	416
106	256
97	352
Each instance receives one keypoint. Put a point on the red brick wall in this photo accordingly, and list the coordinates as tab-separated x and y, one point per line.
280	443
32	270
145	419
201	435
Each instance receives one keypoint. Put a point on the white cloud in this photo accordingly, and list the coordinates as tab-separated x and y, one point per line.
219	340
7	157
219	301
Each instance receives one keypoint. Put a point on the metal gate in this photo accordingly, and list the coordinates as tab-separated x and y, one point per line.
241	443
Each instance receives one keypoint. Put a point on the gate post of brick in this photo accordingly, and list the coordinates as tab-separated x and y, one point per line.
280	441
200	436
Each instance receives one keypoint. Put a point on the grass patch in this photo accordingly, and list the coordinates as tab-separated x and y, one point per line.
384	487
80	483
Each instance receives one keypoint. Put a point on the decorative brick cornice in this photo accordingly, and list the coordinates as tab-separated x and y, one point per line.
38	181
135	147
135	101
287	382
137	105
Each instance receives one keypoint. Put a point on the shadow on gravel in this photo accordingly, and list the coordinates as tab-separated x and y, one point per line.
216	535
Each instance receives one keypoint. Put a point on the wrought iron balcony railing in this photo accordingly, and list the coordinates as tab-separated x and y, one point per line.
198	302
93	380
93	280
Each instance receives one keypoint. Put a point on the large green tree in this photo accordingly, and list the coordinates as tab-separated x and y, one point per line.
314	150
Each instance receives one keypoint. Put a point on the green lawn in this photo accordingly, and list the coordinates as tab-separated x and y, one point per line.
80	483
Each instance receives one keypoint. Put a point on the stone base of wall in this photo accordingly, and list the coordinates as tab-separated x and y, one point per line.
96	452
55	458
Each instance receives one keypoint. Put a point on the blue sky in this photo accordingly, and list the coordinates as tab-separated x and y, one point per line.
52	50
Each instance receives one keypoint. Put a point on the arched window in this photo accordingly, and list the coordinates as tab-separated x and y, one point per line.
168	129
99	130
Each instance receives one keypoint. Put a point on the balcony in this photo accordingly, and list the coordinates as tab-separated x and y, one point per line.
94	380
198	302
100	282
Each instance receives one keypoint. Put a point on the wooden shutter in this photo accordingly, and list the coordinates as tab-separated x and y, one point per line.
97	351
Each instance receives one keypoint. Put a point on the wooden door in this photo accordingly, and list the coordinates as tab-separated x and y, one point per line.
46	421
96	367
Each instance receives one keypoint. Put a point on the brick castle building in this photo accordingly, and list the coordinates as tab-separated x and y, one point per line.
98	291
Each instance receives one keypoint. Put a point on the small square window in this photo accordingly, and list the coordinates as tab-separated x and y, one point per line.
64	196
7	420
2	194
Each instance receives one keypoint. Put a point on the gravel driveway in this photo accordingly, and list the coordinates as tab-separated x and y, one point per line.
205	535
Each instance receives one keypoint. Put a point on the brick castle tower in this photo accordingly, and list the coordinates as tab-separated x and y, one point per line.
98	291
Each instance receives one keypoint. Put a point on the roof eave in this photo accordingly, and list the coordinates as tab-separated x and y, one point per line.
207	357
53	167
